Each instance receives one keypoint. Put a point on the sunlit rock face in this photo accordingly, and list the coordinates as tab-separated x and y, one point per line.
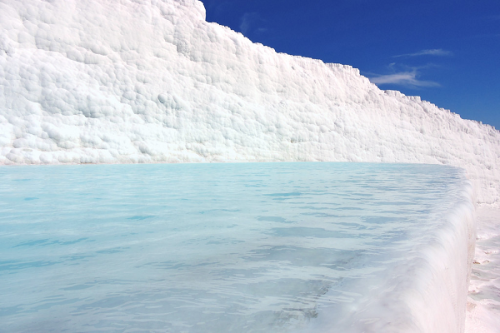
129	81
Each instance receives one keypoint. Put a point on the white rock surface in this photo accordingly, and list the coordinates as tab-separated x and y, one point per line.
126	81
483	307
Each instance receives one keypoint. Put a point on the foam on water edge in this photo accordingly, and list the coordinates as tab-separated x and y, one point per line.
329	247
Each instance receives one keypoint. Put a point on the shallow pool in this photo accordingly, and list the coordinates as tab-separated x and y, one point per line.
254	247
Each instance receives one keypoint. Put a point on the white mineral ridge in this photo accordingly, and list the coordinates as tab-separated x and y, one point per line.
127	81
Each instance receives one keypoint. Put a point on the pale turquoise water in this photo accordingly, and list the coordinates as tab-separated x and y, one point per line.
205	247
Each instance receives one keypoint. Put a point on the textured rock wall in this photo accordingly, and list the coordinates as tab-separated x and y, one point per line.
129	81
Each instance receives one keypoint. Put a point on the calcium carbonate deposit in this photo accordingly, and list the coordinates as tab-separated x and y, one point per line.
131	81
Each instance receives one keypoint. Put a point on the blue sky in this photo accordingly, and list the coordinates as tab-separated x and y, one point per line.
446	51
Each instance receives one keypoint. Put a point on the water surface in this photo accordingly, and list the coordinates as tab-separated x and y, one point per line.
206	247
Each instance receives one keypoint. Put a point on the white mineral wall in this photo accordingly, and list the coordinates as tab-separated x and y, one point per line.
127	81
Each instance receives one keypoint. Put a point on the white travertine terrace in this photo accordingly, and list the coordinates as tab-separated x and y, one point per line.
145	81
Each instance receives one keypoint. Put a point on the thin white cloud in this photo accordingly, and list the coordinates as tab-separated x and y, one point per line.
248	22
432	52
408	79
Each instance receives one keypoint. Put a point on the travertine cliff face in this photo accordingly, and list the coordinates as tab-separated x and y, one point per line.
126	81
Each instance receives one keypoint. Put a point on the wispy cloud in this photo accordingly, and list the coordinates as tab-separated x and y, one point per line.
408	79
432	52
250	22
